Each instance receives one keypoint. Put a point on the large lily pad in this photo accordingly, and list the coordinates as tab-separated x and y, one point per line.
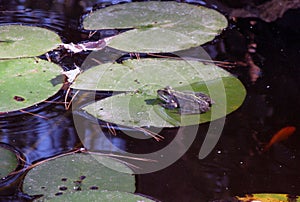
26	41
103	196
138	109
158	26
26	82
78	172
142	78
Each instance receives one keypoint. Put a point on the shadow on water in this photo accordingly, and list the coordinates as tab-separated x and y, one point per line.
237	164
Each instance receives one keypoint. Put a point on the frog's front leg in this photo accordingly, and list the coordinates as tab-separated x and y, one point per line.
170	105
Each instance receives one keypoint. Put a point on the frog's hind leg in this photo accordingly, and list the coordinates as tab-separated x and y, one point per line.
205	98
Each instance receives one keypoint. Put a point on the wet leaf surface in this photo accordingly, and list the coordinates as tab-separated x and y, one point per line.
268	197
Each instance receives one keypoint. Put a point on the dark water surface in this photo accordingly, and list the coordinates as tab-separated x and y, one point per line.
237	164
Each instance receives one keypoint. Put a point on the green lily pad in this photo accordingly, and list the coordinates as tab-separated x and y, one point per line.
78	172
142	78
158	26
26	41
26	82
138	109
103	196
267	197
9	161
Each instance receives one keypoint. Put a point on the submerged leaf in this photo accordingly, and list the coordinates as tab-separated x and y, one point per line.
158	26
26	41
268	197
26	82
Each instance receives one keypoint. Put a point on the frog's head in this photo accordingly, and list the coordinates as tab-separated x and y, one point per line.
166	94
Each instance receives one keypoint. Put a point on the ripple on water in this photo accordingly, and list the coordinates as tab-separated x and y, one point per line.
49	19
45	131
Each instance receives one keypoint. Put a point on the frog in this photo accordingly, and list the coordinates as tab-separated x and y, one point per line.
186	102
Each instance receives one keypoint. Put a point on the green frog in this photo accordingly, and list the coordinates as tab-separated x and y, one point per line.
186	101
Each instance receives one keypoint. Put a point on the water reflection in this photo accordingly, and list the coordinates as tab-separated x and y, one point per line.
49	132
59	17
98	138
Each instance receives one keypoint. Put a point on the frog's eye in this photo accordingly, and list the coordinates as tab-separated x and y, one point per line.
163	95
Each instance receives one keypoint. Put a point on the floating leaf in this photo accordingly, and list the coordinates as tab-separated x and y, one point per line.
158	26
267	197
144	77
26	82
26	41
9	161
75	172
142	109
103	196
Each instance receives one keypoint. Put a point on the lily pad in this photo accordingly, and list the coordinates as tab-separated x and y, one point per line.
267	197
26	41
103	196
26	82
9	161
78	172
157	26
142	78
138	109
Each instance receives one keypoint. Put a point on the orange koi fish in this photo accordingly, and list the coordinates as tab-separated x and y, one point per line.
282	134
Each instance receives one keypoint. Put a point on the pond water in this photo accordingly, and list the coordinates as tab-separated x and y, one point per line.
236	165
